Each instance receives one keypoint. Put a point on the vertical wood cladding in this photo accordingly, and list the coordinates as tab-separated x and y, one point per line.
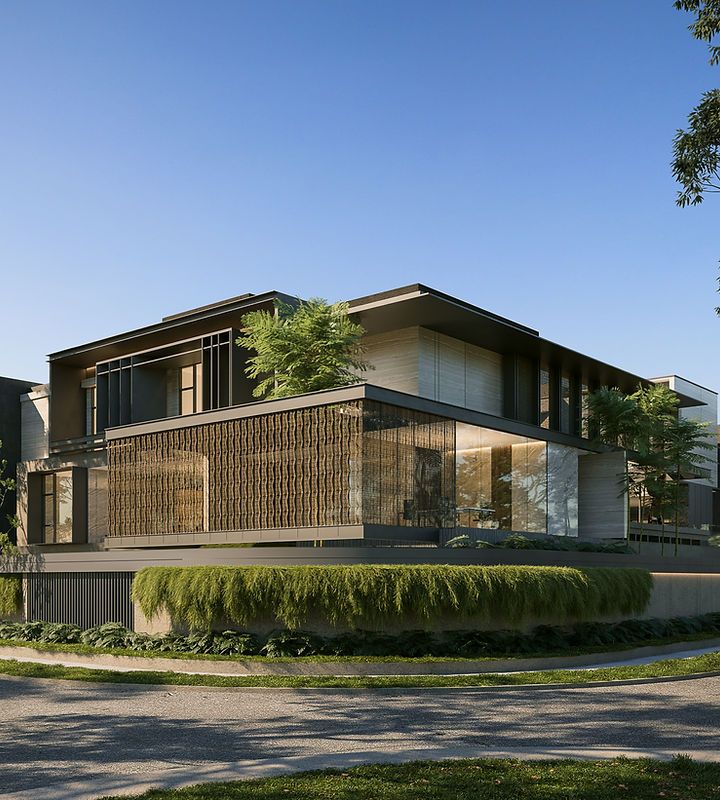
290	469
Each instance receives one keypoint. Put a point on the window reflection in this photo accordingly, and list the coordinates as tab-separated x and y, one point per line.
501	480
57	507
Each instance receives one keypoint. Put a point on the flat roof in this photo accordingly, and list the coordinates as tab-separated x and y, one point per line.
422	306
414	305
185	325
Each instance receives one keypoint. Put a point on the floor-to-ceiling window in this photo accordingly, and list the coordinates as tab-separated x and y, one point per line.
57	507
190	389
501	480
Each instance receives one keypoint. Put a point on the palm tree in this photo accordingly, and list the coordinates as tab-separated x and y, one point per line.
657	405
685	438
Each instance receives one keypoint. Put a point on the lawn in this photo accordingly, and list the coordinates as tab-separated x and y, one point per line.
679	779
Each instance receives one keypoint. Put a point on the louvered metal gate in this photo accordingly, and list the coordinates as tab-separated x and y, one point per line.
80	598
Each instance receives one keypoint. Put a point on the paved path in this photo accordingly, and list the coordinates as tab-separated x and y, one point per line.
72	740
102	662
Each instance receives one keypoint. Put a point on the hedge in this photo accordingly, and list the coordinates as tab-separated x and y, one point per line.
11	595
370	596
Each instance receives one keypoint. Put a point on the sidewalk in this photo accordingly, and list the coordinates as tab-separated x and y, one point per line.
242	667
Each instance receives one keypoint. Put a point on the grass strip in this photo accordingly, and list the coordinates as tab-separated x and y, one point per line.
482	779
667	668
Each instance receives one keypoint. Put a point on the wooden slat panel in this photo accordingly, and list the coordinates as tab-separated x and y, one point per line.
284	470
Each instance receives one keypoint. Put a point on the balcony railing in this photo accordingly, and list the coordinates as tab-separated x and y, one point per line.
80	444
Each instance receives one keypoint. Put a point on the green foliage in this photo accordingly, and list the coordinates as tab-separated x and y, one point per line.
11	595
664	447
486	779
305	349
516	541
696	151
373	596
544	639
707	22
614	418
7	487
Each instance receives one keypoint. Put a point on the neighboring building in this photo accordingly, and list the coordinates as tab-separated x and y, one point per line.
10	391
468	422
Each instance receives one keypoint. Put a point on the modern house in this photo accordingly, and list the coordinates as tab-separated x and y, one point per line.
147	445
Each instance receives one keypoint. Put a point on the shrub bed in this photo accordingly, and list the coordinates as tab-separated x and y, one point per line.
11	595
409	644
370	596
516	541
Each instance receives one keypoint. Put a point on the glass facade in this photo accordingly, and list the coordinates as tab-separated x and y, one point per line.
408	475
362	462
57	507
544	398
566	411
501	480
190	389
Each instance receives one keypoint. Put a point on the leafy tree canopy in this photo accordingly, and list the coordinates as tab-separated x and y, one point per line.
301	349
696	151
7	486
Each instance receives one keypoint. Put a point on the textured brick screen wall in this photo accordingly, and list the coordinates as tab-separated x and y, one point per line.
285	470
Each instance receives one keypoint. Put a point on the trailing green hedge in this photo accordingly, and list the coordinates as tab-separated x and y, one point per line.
370	596
11	595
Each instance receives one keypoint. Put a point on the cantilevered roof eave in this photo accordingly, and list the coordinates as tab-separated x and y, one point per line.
178	325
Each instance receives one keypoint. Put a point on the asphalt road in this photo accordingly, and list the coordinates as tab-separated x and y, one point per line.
56	732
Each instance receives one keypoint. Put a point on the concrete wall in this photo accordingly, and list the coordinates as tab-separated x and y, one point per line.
683	595
35	419
394	357
602	506
461	374
421	362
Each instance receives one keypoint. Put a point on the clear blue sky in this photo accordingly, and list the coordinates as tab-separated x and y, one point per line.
158	156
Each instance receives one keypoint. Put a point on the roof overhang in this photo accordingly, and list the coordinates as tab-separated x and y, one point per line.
421	306
183	326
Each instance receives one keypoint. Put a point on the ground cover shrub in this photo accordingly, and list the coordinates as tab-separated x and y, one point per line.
516	541
407	644
373	596
11	595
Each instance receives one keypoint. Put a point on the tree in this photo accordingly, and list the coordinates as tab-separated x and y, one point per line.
7	487
696	151
662	449
301	349
615	419
685	438
657	405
